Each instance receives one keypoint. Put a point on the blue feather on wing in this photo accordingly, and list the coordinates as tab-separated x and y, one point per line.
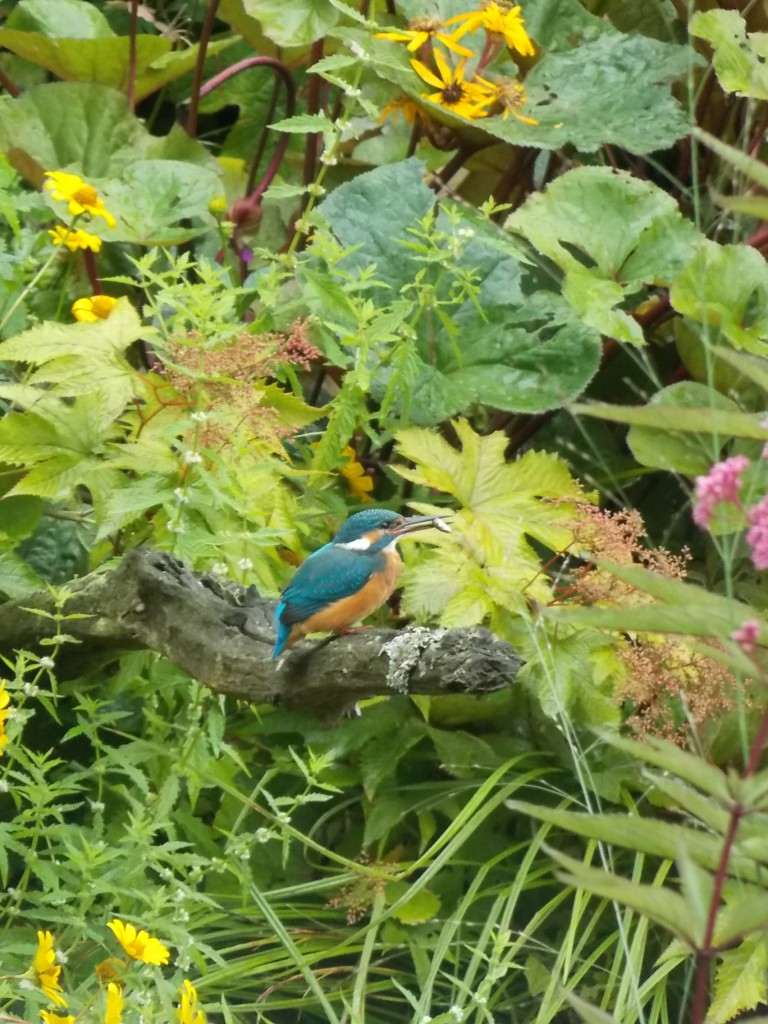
327	576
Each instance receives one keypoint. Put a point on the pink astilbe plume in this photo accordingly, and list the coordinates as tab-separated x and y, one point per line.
757	534
721	484
747	635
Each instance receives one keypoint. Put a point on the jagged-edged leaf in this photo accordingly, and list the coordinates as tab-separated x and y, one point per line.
726	287
658	904
488	561
19	516
740	56
127	500
646	835
155	199
745	910
91	341
663	754
740	980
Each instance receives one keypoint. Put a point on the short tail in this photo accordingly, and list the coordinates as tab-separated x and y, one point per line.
283	632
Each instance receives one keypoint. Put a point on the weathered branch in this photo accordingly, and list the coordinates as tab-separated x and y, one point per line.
223	638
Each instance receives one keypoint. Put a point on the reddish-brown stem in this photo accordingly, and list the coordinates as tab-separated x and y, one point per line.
197	92
413	141
701	985
131	87
262	143
90	268
8	85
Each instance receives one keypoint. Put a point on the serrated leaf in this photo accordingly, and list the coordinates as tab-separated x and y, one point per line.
740	981
488	561
304	124
656	903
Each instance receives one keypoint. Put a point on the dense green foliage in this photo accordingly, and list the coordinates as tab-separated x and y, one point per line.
242	297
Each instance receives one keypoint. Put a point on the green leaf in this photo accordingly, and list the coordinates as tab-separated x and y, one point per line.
488	562
645	835
19	516
80	126
643	239
656	903
740	981
298	23
740	56
423	906
17	577
716	422
304	124
613	89
60	19
726	287
154	197
680	452
753	169
362	213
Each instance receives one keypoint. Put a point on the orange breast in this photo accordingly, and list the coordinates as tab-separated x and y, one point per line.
342	614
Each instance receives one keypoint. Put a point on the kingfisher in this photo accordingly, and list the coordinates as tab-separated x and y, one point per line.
346	580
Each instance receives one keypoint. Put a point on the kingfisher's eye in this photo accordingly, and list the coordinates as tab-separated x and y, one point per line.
396	523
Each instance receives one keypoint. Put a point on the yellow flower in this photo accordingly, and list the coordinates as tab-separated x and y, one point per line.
357	479
139	945
188	1012
420	30
114	1012
5	700
218	205
78	195
404	105
98	307
509	94
498	17
56	1018
75	239
46	969
460	97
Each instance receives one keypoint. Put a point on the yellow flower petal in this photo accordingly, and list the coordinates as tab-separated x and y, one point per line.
56	1018
139	944
46	970
114	1011
79	196
75	240
97	307
187	1012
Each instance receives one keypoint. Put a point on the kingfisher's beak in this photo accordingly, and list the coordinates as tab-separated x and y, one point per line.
414	523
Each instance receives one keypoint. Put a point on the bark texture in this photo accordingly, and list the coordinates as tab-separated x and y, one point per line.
222	635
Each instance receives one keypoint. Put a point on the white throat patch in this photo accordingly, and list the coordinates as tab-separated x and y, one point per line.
361	544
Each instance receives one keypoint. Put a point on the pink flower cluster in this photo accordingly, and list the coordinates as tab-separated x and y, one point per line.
757	534
747	635
721	483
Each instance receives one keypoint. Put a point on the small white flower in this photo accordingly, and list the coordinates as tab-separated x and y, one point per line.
352	92
30	689
176	527
328	159
4	787
192	458
180	496
199	417
457	1012
466	232
23	982
97	806
262	835
46	662
219	569
245	564
357	49
61	957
